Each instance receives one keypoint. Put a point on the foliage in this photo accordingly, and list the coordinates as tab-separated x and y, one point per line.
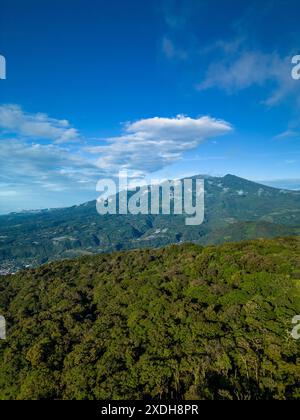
180	322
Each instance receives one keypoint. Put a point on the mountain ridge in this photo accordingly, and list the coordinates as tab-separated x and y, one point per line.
235	209
205	177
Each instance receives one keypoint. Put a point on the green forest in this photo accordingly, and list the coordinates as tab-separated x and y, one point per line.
182	322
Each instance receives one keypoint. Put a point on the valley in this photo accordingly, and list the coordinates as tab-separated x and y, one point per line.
235	210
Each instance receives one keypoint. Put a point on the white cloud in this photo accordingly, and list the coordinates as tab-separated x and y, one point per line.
240	71
149	145
47	167
287	134
37	171
13	120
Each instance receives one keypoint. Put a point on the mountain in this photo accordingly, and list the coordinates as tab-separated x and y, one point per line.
235	209
183	322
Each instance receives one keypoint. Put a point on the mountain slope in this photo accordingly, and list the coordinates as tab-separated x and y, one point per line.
235	209
184	322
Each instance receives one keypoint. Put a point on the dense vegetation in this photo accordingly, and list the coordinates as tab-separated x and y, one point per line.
235	210
181	322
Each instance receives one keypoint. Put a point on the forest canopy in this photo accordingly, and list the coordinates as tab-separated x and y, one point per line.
182	322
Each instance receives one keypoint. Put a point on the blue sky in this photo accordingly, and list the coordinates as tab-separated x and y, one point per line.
163	88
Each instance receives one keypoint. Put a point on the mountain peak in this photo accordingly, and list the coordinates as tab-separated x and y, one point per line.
230	176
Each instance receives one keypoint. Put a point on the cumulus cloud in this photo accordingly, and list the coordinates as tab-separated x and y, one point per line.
51	172
14	121
148	145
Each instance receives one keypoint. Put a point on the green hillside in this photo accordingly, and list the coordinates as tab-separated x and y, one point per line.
180	322
235	209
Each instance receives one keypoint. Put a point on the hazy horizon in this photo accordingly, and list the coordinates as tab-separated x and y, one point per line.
291	185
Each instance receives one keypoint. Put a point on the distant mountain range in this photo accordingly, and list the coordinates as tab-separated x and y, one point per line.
288	184
235	209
